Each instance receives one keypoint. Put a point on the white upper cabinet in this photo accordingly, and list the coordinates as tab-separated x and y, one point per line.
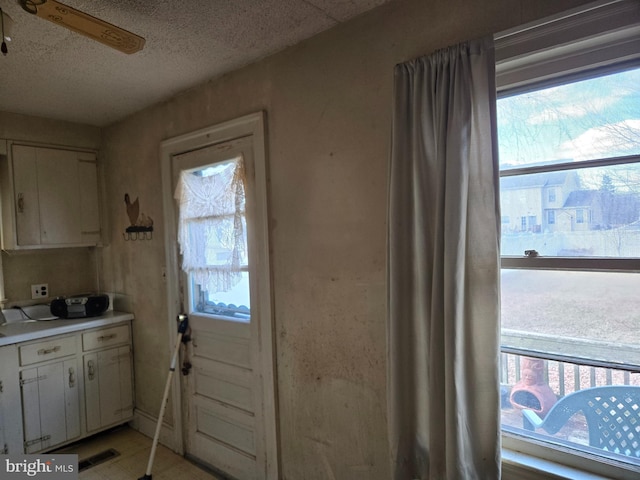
50	198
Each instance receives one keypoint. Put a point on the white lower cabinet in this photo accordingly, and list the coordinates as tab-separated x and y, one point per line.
69	387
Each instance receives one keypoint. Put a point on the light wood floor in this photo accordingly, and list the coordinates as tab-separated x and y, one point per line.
134	449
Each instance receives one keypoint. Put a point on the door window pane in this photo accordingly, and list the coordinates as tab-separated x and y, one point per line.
213	239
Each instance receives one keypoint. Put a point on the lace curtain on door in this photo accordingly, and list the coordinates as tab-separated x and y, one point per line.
211	226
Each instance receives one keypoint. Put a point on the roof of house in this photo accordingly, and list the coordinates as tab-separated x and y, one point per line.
546	179
583	198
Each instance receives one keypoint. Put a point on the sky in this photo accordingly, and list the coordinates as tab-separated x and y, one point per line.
594	118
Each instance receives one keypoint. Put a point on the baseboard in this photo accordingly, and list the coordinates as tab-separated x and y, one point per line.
146	424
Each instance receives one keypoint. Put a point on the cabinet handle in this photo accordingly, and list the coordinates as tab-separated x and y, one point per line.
92	370
72	377
20	203
104	338
47	351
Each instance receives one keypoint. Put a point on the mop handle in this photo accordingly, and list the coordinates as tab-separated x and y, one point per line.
182	328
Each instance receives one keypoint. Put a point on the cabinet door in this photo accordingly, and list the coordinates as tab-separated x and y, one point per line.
92	391
71	398
108	387
125	365
10	423
89	194
43	407
59	197
26	202
50	405
31	410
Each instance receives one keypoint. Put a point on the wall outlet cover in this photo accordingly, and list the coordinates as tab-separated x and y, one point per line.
40	290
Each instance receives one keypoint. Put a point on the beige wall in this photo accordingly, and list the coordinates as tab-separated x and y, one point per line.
328	106
67	271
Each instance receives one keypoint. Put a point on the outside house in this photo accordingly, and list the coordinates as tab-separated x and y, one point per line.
556	205
536	203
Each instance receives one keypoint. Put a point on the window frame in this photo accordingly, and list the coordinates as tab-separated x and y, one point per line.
538	448
597	38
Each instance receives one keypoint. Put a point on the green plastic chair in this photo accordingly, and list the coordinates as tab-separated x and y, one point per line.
612	414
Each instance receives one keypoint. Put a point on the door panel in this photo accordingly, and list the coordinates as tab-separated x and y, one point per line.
221	345
223	396
231	427
231	388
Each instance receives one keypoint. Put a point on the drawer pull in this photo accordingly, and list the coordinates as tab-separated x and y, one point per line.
47	351
104	338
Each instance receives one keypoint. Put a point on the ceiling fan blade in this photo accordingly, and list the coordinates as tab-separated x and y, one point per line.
85	24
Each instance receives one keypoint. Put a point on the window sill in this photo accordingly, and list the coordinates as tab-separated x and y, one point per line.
519	466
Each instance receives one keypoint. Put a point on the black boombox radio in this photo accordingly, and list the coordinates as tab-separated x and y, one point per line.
79	306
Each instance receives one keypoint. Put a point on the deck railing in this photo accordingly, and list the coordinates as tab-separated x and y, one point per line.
570	364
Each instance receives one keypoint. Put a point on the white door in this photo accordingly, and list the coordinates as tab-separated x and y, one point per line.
228	396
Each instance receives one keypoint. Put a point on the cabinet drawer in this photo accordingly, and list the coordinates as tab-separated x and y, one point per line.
105	337
47	350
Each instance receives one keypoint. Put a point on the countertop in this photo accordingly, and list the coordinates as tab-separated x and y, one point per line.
25	331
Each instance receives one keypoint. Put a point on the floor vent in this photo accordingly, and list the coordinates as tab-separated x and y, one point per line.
97	459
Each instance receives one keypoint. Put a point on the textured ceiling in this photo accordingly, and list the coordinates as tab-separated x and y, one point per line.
55	73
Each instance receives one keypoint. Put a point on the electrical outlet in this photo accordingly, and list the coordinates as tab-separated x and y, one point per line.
40	290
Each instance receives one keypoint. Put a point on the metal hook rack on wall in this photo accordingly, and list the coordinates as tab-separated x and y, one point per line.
138	233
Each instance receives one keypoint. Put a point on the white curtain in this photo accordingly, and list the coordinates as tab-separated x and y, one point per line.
443	241
211	225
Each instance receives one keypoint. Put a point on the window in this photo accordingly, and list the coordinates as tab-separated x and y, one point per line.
235	301
585	314
212	232
569	135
